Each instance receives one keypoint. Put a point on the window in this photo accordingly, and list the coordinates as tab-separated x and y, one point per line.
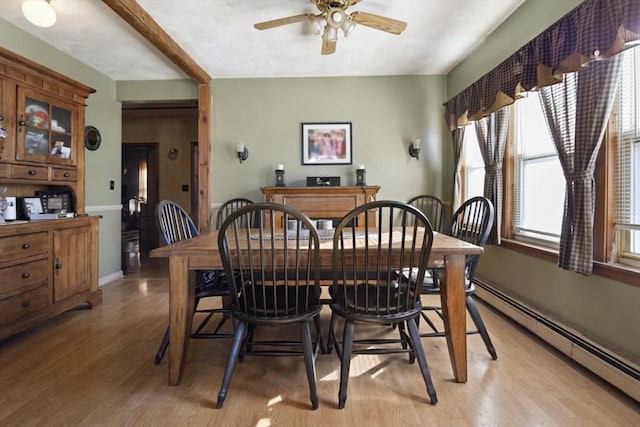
473	165
627	180
534	189
539	184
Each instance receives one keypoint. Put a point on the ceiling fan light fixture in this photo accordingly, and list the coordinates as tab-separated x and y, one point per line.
348	26
318	22
330	34
39	12
336	17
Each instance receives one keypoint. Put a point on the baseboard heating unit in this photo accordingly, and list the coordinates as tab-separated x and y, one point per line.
610	366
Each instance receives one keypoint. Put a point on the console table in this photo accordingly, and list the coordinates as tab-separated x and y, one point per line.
323	202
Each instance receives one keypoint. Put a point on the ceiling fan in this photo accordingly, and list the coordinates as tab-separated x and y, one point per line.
332	17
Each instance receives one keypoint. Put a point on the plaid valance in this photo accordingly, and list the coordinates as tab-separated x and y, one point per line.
595	30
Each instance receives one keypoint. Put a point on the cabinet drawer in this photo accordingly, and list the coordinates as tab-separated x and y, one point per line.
26	245
30	172
20	305
64	174
22	276
4	169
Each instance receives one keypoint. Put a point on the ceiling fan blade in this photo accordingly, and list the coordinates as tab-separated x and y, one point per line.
282	21
328	47
379	22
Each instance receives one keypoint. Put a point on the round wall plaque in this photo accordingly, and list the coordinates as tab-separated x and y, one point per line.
92	138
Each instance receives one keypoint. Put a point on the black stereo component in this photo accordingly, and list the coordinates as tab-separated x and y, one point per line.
323	181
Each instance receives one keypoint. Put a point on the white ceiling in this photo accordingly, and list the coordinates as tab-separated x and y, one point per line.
219	36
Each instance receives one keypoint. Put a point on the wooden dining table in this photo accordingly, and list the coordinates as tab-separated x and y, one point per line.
201	253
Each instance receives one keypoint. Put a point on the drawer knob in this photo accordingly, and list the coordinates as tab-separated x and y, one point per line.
26	275
58	266
66	174
26	303
32	172
26	246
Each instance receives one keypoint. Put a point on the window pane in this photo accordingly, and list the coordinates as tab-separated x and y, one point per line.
475	182
472	155
539	183
473	165
533	127
542	195
627	204
635	242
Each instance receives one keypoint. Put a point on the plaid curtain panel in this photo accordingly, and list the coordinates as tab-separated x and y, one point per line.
492	138
457	137
576	112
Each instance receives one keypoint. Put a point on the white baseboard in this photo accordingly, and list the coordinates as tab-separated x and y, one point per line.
614	368
110	278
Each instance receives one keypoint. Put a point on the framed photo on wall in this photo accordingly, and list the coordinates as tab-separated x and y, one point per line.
326	143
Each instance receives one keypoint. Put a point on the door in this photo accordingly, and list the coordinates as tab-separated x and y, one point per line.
140	192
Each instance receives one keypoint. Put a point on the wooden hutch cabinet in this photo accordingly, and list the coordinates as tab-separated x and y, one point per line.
46	266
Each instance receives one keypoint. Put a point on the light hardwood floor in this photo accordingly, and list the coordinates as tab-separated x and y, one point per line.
95	367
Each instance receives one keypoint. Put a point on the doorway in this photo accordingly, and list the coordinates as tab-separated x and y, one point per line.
140	196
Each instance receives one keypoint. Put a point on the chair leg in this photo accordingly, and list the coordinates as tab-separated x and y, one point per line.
405	342
319	335
163	347
347	346
309	361
422	360
231	362
331	339
475	315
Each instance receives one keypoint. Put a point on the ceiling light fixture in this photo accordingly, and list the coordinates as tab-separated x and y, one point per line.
330	33
333	19
39	12
317	23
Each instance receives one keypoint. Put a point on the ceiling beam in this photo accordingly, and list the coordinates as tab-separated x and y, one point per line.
146	26
143	23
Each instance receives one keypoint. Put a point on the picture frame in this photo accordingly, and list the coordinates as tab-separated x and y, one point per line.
327	143
31	205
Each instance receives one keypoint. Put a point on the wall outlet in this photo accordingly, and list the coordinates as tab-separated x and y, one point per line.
112	185
185	187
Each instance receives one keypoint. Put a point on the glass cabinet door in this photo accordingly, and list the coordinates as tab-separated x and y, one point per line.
45	129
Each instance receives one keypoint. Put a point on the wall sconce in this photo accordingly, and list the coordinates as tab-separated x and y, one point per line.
414	149
39	12
173	154
243	152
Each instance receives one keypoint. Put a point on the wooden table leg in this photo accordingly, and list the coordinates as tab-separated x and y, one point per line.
181	305
452	294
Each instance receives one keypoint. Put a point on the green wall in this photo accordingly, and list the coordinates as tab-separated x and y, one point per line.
602	309
386	113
